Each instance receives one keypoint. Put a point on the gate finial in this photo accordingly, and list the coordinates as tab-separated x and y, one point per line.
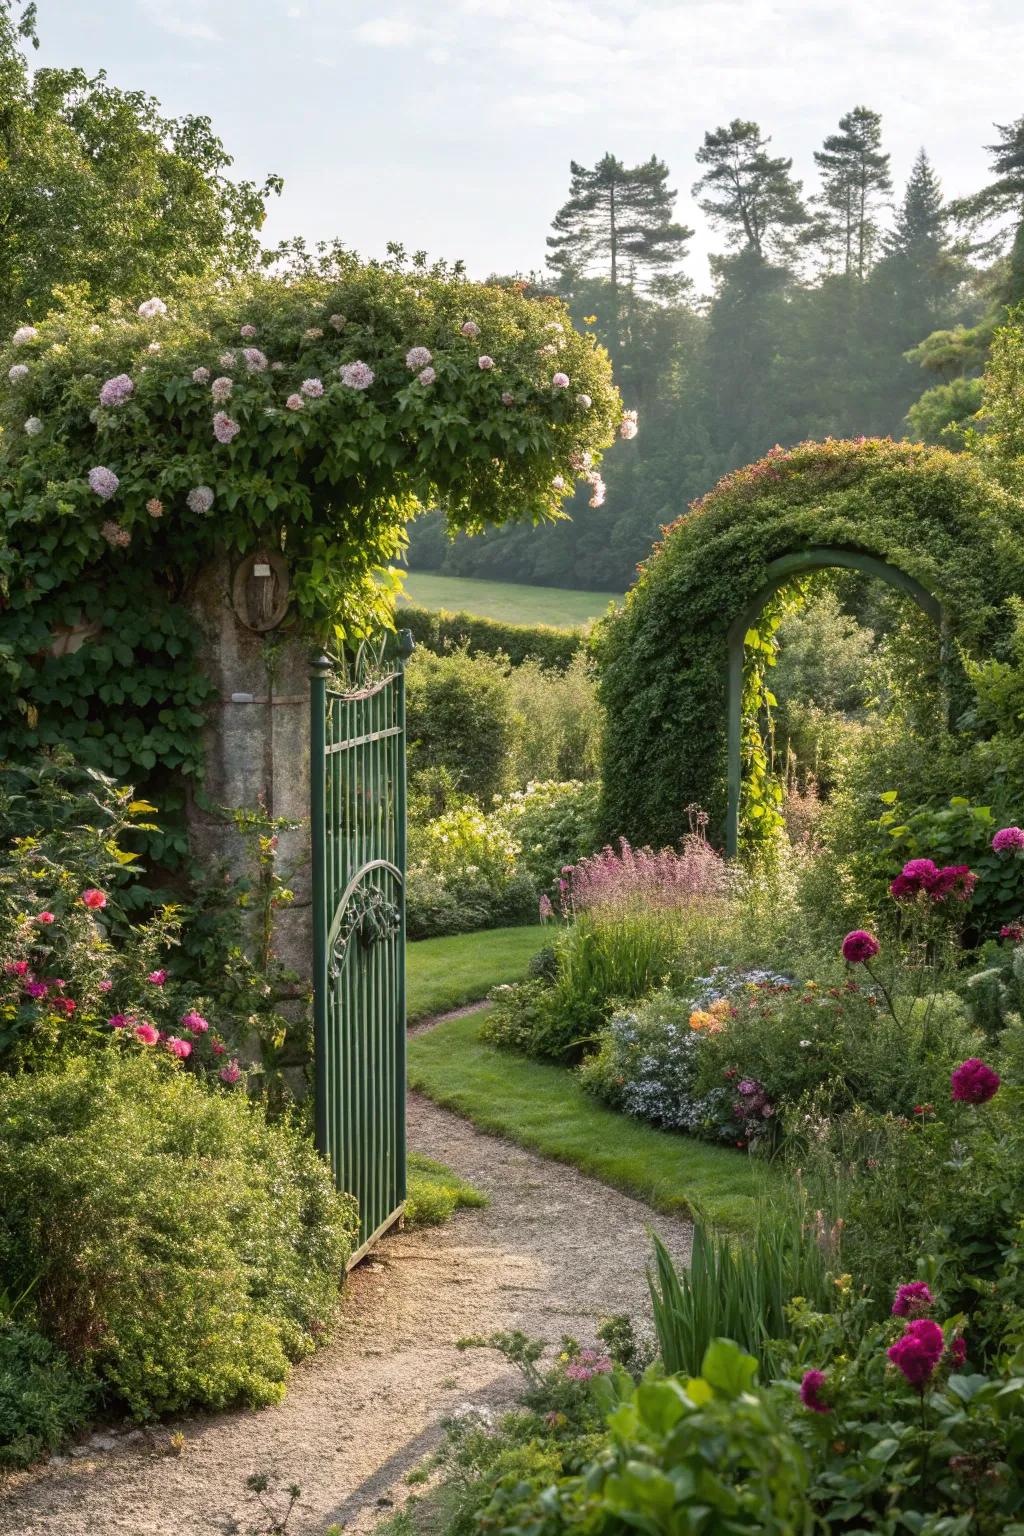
321	665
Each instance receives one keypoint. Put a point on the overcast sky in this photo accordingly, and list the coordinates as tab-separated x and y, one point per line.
449	124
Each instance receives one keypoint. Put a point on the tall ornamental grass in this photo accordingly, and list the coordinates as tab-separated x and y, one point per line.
740	1291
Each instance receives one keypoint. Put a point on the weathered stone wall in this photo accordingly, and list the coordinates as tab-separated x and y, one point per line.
256	748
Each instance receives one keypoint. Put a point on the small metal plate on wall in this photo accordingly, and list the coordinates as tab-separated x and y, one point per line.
259	590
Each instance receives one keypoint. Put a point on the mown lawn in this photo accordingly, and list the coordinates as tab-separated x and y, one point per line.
507	601
445	973
544	1108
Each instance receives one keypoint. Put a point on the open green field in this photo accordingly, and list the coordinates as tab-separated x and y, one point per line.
445	973
506	600
544	1108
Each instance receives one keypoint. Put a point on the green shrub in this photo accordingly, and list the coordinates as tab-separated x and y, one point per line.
463	874
557	721
43	1398
442	631
435	1193
601	958
459	717
554	823
178	1243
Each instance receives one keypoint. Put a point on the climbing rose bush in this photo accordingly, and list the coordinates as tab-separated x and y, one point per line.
124	419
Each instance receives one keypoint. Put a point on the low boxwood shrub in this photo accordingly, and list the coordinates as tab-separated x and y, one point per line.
175	1242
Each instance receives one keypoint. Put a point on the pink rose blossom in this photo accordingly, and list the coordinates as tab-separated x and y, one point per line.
116	536
157	978
811	1392
119	1021
357	375
146	1034
103	482
180	1048
117	390
93	899
912	1300
972	1082
918	1352
859	946
225	428
199	499
560	381
195	1022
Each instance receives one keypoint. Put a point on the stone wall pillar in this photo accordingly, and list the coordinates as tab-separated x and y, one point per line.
256	747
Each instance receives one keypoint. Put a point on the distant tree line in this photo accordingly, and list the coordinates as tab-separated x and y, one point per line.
844	312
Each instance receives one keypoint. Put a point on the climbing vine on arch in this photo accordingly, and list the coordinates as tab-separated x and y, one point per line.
936	516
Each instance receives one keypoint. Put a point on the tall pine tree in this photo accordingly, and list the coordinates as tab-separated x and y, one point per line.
855	180
747	192
617	224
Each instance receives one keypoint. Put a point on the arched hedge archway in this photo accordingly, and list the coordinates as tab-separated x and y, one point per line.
928	521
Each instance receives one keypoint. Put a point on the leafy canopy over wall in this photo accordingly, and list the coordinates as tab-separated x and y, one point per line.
934	515
140	444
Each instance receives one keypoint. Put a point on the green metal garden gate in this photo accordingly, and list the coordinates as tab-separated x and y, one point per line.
357	760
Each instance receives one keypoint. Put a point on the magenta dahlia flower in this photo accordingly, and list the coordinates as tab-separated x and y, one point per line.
955	880
859	946
973	1082
811	1389
916	875
912	1300
1008	840
918	1352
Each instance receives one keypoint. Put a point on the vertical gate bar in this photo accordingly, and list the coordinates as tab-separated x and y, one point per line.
405	649
318	831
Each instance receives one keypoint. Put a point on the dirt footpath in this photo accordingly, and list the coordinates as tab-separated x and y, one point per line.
554	1253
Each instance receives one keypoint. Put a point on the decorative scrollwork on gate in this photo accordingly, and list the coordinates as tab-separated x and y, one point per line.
371	918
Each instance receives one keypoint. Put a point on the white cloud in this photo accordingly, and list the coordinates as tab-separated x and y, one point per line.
386	32
180	19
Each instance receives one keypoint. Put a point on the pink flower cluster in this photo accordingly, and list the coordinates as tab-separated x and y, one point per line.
912	1300
357	375
922	877
812	1392
1008	840
664	879
225	428
918	1351
103	482
586	1365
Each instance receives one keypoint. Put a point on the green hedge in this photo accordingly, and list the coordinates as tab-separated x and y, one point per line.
519	642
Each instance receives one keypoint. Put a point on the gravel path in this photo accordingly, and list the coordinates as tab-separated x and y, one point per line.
553	1253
